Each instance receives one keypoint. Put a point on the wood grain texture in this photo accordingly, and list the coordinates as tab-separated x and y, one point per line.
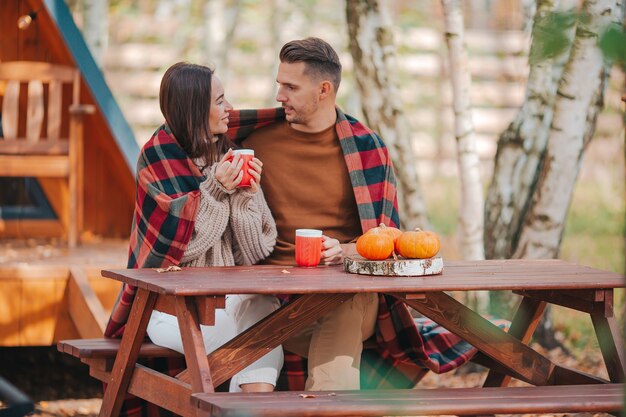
193	345
390	267
37	315
521	361
457	276
587	301
34	110
523	325
22	228
156	388
107	168
34	166
611	345
84	306
456	401
100	348
127	356
268	333
10	110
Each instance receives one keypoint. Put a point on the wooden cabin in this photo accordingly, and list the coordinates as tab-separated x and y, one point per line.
67	161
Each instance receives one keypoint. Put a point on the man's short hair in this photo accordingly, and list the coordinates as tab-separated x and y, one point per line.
319	57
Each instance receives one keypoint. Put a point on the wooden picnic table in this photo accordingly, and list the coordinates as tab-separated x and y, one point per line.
193	294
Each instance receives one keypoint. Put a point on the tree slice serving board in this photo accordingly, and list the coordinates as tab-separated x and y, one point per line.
401	268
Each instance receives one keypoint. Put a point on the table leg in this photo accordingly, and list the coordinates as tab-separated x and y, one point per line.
609	339
524	323
268	333
128	352
521	361
193	345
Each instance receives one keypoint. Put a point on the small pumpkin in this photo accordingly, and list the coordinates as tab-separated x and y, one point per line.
394	232
418	244
374	245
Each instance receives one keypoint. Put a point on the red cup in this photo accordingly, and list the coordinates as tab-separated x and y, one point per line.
308	247
246	155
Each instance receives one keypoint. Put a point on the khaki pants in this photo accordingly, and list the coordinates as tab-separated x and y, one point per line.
334	344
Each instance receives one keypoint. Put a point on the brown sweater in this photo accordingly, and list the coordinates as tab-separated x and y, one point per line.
231	228
306	185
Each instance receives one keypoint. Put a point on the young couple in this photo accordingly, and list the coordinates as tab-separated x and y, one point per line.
319	169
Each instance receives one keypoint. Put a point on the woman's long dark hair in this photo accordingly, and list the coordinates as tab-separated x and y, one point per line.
185	99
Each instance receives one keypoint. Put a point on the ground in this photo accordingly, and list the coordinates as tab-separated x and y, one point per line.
64	388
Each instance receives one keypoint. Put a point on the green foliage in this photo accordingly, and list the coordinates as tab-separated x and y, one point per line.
550	36
613	44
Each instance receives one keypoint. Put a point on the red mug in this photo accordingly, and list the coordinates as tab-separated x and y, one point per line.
308	247
246	155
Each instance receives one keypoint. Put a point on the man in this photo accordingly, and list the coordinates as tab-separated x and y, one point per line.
307	185
325	170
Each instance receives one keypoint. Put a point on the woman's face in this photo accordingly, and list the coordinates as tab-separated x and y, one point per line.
218	113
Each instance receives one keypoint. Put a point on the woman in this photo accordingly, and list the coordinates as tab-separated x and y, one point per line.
190	212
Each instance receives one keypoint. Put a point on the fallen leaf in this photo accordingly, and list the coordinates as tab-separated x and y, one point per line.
171	268
284	271
308	396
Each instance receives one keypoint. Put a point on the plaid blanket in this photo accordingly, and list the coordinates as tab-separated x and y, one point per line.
405	350
368	162
168	196
167	200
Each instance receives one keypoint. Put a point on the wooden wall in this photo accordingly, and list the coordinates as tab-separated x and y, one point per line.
109	181
40	305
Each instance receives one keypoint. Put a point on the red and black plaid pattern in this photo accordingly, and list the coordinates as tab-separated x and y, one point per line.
368	162
167	200
404	350
166	203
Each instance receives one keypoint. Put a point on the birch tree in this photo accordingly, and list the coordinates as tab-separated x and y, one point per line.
220	20
96	27
374	56
522	145
471	204
579	99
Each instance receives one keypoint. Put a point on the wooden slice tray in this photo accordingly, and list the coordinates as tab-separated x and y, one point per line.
392	268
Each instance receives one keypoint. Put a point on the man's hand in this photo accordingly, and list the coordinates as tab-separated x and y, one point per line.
333	251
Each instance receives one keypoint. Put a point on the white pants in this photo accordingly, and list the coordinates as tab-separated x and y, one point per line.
241	312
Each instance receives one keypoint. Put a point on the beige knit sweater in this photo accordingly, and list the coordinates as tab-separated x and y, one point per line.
231	228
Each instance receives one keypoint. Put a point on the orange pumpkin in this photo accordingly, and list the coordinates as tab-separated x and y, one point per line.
374	245
418	244
395	233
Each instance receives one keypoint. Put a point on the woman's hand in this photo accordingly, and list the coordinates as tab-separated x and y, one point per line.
256	167
229	173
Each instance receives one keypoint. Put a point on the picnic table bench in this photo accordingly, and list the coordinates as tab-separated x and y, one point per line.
193	294
99	355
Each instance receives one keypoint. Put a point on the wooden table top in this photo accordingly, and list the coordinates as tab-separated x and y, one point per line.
516	274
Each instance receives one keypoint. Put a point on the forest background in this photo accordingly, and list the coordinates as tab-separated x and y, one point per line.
135	41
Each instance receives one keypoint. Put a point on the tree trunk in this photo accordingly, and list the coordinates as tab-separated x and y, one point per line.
220	20
275	26
374	56
579	99
522	145
471	206
521	148
96	27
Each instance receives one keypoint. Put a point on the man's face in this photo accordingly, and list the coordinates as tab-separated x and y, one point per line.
297	92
